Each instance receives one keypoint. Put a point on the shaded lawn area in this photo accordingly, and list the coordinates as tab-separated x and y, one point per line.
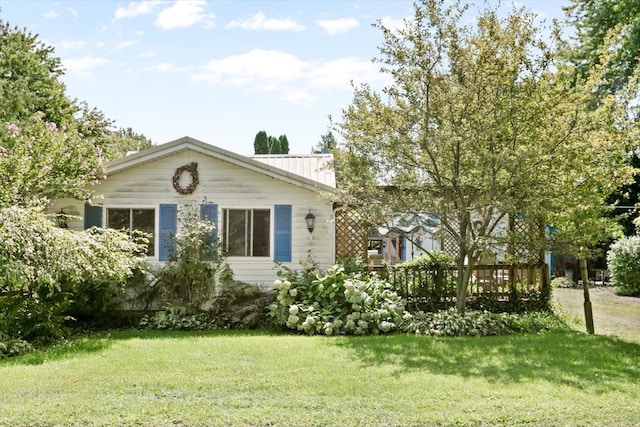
258	379
613	314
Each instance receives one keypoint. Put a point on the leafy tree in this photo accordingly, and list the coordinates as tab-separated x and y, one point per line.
261	143
49	145
615	25
326	145
598	20
479	123
30	79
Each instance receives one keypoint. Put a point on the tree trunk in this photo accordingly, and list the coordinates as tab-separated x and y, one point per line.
464	273
588	312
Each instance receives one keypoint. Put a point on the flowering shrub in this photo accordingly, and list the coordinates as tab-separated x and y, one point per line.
623	261
336	303
39	162
44	269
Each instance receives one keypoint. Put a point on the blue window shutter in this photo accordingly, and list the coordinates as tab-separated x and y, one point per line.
92	216
209	211
282	230
168	228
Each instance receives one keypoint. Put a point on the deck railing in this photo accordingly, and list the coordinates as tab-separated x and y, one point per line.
494	287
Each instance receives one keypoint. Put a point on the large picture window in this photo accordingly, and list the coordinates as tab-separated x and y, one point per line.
134	219
246	232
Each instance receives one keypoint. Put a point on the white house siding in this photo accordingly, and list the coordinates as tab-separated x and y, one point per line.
229	186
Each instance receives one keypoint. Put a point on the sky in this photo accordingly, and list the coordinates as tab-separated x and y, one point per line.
221	71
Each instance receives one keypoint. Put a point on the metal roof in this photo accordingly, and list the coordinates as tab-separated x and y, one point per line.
316	167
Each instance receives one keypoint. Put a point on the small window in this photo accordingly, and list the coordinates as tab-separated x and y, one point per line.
246	232
135	219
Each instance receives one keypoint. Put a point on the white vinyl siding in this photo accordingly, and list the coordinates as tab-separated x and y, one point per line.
228	186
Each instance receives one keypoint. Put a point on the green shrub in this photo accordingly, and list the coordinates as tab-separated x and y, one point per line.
240	306
335	303
197	266
13	348
434	259
623	261
237	306
479	323
176	318
43	270
563	282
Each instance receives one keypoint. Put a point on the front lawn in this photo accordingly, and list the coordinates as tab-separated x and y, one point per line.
254	379
613	314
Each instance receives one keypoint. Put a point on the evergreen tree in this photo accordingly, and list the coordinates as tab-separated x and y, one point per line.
261	143
326	145
274	145
284	144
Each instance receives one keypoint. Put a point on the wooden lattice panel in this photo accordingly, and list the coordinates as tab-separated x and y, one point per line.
351	235
449	245
520	248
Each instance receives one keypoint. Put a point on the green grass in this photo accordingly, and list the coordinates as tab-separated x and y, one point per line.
613	315
258	379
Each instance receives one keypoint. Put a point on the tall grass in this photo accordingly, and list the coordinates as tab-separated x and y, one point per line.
256	379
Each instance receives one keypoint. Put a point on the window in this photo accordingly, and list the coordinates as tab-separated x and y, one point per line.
246	232
135	219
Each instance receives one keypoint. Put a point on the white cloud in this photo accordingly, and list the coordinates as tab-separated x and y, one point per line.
51	14
337	26
185	13
264	67
125	44
83	66
299	97
297	80
259	21
137	8
72	11
72	44
162	67
392	24
166	67
340	72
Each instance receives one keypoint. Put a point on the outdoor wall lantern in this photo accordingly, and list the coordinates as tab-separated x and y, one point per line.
310	219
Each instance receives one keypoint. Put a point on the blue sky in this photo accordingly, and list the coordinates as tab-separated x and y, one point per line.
219	71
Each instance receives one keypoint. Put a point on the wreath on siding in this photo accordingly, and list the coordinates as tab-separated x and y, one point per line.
192	169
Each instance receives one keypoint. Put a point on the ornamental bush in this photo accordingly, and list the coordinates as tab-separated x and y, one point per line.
479	323
44	270
563	282
335	303
623	261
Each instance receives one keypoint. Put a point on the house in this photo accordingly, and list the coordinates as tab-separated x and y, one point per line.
404	237
258	203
